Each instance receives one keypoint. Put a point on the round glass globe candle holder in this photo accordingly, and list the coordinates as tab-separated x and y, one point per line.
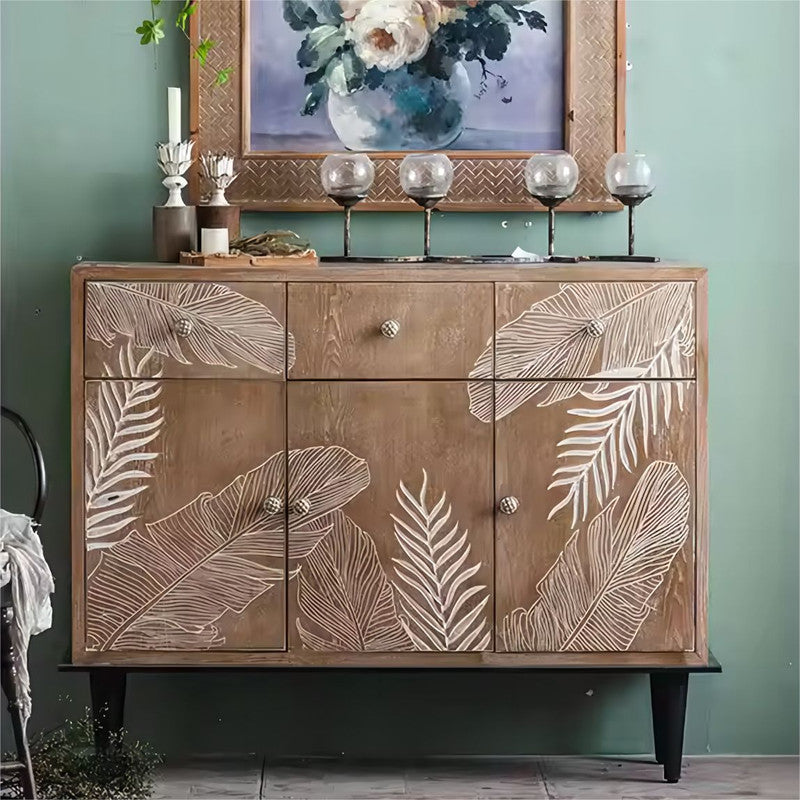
629	179
426	178
347	178
551	178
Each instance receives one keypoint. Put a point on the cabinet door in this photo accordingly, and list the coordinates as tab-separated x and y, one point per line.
404	560
599	554
184	524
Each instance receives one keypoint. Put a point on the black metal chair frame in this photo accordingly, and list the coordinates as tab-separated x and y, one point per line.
8	671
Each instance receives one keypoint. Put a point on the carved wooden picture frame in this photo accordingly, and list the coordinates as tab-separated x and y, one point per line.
594	125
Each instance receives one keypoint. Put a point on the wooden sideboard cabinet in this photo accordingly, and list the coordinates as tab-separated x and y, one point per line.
455	466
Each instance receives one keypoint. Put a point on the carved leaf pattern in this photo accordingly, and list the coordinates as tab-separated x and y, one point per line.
119	427
596	595
642	323
440	607
344	594
227	328
595	449
166	588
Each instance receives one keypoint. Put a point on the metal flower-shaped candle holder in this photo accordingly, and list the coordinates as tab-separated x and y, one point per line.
426	178
346	179
174	159
218	172
552	178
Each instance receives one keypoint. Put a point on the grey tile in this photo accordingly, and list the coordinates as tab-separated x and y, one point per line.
333	779
704	778
474	779
210	777
709	778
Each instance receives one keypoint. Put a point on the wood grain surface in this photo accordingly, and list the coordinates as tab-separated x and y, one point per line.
401	429
397	273
213	431
337	327
236	342
528	544
403	406
647	311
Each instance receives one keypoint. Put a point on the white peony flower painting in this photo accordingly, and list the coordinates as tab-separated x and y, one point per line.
396	75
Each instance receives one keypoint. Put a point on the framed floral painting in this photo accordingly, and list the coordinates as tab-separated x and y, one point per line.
487	81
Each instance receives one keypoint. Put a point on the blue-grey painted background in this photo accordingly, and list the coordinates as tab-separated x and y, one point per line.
713	97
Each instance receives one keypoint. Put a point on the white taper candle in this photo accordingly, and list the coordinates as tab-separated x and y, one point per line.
174	113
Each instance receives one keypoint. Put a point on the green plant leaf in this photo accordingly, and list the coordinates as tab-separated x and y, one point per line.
223	76
155	2
151	31
189	7
203	49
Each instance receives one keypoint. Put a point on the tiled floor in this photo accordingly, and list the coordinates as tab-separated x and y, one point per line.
477	778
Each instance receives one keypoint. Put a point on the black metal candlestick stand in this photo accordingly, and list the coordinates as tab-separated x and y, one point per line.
550	203
347	202
427	203
630	202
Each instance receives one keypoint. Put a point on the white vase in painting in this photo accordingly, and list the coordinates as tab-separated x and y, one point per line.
407	112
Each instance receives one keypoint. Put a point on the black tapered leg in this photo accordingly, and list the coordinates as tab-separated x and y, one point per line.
13	693
668	700
657	705
108	705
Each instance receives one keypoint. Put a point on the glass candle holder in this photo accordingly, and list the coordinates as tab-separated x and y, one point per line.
347	179
629	179
551	178
426	178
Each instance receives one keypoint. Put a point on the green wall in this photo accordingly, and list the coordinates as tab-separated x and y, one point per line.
713	96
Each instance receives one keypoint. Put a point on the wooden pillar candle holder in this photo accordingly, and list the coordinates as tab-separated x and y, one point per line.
174	230
220	217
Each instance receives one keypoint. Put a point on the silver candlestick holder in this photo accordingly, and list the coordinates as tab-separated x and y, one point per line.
174	158
218	172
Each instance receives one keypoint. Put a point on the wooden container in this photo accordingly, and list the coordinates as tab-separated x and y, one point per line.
220	217
243	260
174	230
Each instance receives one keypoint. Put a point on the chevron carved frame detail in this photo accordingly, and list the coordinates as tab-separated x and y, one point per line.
594	126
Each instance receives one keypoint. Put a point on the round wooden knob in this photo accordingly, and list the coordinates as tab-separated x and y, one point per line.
509	505
596	328
183	327
390	328
273	505
302	506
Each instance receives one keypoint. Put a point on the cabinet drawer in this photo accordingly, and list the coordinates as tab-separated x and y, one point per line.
389	330
194	330
622	329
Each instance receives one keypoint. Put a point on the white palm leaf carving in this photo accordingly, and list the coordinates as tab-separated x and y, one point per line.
344	594
329	477
119	428
552	340
441	608
595	449
596	595
167	587
227	328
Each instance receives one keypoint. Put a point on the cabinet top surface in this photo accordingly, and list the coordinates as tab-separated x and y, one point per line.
593	271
